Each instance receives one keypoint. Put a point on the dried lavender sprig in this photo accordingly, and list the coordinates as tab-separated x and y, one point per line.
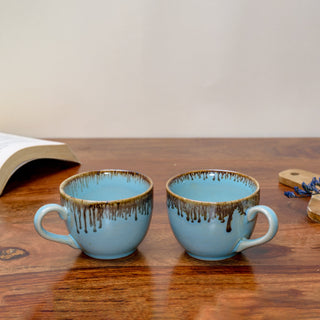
307	189
290	194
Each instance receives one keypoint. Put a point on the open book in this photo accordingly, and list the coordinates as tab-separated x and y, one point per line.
15	151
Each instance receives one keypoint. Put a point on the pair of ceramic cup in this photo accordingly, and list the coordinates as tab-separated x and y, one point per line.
212	212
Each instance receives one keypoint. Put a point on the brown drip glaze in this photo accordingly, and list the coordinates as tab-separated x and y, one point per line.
83	180
198	211
93	214
218	175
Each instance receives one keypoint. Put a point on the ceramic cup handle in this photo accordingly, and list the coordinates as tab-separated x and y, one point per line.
273	228
69	240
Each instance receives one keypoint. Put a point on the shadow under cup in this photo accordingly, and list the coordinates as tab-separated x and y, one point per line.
107	212
213	213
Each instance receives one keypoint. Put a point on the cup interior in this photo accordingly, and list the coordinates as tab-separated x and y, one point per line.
106	185
213	186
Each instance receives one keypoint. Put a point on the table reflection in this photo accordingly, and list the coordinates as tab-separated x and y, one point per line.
98	289
207	289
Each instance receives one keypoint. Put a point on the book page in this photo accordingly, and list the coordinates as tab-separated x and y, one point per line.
9	144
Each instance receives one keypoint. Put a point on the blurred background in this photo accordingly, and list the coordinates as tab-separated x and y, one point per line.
160	68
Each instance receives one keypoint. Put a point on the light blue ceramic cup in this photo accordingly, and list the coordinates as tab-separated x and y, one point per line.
107	212
213	213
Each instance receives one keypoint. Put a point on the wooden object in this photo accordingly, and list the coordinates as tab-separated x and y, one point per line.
295	177
40	279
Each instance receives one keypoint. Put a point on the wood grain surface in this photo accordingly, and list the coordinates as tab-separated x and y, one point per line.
40	279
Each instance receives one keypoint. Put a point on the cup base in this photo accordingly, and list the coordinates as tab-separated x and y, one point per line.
211	258
110	257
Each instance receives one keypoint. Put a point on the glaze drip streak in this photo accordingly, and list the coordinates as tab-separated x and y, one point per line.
85	180
200	211
206	212
92	215
89	215
214	176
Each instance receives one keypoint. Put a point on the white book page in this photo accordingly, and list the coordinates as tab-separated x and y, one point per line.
10	144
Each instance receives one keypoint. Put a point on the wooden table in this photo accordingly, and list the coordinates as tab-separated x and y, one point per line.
47	280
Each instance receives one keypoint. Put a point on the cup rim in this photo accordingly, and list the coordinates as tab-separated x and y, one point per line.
210	203
104	202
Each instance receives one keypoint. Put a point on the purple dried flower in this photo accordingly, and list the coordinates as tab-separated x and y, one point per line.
307	189
290	194
300	192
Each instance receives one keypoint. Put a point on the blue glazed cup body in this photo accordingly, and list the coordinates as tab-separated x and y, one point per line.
107	212
213	213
